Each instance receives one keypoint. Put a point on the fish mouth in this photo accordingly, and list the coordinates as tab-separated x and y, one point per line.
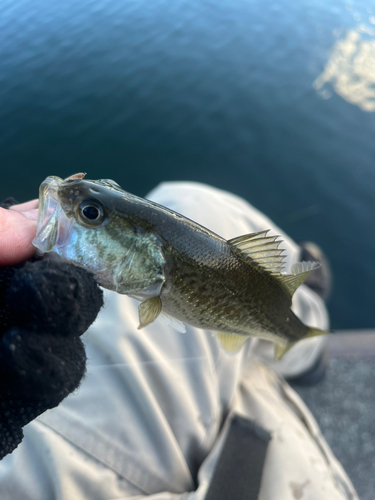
53	226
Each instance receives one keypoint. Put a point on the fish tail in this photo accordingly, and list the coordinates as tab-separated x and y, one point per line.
281	349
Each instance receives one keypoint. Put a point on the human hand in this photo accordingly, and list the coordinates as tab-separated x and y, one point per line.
17	230
45	306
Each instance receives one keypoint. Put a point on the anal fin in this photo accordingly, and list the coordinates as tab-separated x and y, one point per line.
230	342
281	349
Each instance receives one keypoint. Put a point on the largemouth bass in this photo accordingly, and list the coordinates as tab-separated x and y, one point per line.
172	265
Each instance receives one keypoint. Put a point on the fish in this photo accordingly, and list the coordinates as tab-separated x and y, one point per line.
177	269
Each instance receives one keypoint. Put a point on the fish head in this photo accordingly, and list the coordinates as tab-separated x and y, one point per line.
73	201
85	222
53	228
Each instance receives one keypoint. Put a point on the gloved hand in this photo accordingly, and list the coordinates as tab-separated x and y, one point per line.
45	305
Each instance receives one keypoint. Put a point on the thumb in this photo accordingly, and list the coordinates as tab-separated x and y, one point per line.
17	230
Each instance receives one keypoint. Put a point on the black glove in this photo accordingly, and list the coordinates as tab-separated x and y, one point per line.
45	305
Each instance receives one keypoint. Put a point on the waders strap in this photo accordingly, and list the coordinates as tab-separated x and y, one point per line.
239	469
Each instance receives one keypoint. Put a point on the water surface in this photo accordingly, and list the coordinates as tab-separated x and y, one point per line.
271	100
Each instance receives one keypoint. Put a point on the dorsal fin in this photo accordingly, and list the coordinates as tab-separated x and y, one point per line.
260	250
300	271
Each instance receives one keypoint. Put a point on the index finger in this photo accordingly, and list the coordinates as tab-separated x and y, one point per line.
24	207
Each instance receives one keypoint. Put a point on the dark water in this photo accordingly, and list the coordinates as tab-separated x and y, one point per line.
214	91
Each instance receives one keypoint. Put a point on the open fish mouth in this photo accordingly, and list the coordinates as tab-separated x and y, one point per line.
53	226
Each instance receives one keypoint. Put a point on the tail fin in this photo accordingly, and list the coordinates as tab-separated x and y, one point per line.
281	349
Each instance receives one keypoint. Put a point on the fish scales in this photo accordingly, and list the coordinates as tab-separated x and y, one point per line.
171	264
200	294
204	299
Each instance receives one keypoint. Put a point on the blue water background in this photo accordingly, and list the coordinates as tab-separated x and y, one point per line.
213	91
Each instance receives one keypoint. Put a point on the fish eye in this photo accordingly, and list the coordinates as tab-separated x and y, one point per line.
91	212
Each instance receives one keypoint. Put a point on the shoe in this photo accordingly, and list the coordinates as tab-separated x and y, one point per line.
320	281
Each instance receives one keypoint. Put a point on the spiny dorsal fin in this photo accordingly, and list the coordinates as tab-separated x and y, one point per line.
300	271
261	250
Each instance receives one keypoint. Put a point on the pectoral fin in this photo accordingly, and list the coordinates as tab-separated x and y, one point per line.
230	342
148	311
